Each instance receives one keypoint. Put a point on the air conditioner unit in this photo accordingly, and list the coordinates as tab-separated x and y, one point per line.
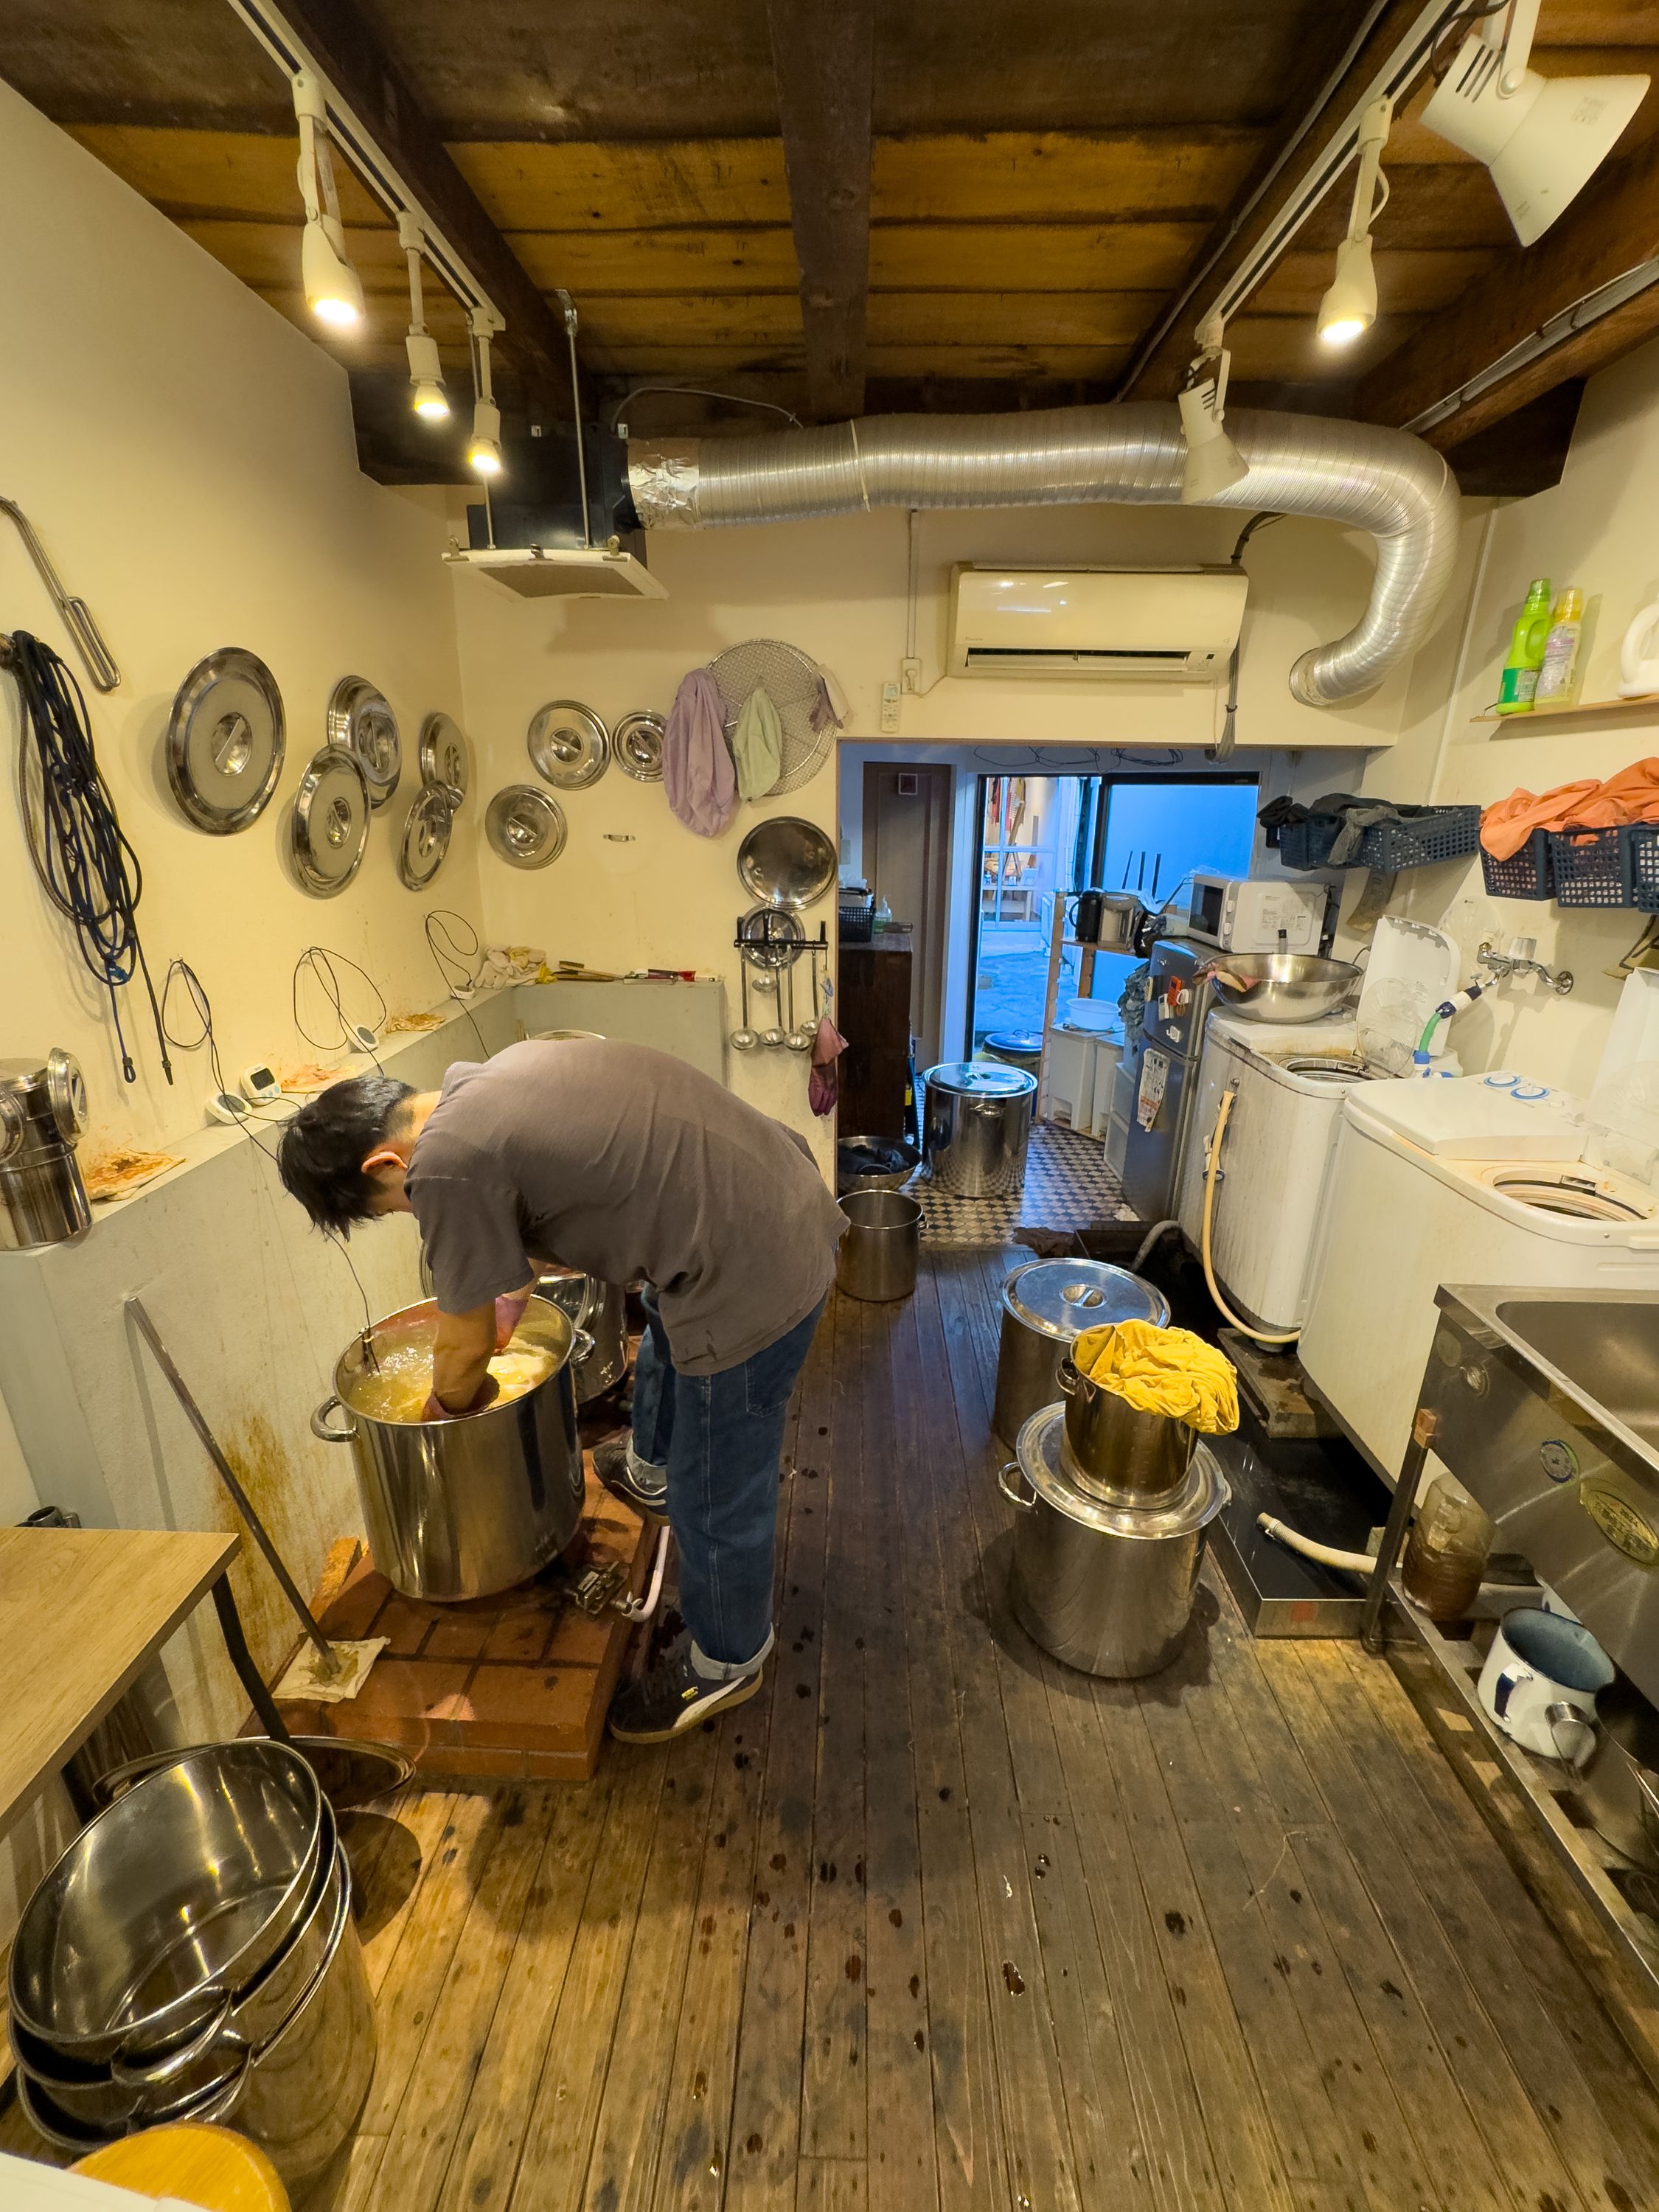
1171	625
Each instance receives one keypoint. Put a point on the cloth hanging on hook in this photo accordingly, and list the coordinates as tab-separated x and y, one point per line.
698	779
824	1087
757	745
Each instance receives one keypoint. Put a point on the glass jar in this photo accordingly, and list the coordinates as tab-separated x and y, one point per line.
1446	1556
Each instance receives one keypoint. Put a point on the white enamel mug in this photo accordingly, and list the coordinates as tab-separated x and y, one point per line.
1540	1683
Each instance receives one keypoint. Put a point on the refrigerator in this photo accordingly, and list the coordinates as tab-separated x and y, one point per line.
1165	1062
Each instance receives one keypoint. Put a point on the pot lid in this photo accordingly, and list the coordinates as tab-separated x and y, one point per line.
1030	1040
361	723
636	743
1060	1298
1197	1502
330	828
444	757
526	826
225	741
983	1078
787	861
426	837
569	746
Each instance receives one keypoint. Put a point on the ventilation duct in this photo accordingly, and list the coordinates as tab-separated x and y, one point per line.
1381	480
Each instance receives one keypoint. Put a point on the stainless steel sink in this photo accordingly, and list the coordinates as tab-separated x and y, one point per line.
1606	1348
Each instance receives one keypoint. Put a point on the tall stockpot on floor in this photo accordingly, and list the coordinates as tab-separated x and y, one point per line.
882	1248
1046	1306
1107	1589
463	1508
976	1126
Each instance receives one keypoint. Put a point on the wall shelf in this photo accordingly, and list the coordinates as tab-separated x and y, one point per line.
1647	704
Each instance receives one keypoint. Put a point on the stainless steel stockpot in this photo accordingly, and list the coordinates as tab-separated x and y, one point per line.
976	1126
599	1311
1107	1589
1116	1452
471	1506
1046	1305
880	1252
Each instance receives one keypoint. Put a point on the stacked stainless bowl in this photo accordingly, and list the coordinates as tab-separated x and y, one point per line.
192	1957
1111	1505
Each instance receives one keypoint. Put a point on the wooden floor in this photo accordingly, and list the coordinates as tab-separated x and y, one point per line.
937	1922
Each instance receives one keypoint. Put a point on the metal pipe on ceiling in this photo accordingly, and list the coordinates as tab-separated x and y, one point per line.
1355	473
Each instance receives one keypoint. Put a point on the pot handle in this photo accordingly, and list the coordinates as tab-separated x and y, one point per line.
581	1347
1573	1735
1068	1378
321	1427
1017	1498
1648	1802
133	2074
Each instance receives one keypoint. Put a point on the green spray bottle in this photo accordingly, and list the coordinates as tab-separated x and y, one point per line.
1526	657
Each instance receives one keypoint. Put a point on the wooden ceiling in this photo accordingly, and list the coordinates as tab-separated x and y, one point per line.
997	202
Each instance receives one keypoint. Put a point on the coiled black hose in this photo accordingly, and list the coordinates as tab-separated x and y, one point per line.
86	865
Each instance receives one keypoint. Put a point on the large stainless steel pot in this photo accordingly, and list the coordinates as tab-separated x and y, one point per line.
599	1311
43	1115
166	1905
1107	1589
880	1253
976	1126
1117	1453
467	1507
1046	1305
1619	1786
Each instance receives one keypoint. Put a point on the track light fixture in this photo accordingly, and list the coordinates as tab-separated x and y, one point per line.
1542	138
426	372
1349	307
333	291
1213	462
483	451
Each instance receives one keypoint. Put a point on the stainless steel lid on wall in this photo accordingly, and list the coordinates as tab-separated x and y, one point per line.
225	741
329	833
636	743
569	746
361	723
787	861
425	841
43	1115
525	827
444	757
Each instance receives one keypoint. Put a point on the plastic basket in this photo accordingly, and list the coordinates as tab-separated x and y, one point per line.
1308	844
856	919
1642	866
1526	874
1588	866
1450	832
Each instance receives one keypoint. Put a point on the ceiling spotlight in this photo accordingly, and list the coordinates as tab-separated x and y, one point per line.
1349	307
483	451
1214	463
1542	138
333	291
426	371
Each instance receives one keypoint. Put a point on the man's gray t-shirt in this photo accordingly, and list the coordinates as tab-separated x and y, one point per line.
624	1162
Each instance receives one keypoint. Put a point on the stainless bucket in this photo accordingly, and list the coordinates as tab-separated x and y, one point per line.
976	1126
1115	1451
1108	1589
468	1507
1046	1305
882	1248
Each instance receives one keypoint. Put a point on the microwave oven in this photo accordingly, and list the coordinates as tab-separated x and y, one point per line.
1257	913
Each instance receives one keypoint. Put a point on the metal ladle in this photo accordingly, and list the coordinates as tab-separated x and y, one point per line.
798	1039
743	1038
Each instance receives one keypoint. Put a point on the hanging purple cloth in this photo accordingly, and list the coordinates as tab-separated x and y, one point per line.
697	775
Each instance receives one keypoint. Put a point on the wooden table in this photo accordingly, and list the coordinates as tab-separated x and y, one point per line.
83	1611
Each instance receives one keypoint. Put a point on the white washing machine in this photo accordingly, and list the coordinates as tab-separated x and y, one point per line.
1450	1182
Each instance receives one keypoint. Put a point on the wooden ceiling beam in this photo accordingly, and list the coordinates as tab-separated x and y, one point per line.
824	60
1612	228
372	84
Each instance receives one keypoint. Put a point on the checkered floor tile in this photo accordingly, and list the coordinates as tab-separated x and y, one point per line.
1068	1186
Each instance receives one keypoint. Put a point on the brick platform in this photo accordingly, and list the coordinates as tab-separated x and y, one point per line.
511	1687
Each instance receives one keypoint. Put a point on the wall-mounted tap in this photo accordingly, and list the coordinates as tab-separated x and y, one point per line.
1519	961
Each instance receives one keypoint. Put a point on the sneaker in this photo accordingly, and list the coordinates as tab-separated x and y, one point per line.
674	1697
618	1469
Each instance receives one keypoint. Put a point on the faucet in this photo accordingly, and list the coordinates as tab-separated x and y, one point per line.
1519	961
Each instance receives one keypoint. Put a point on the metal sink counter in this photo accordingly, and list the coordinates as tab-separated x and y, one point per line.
1545	1405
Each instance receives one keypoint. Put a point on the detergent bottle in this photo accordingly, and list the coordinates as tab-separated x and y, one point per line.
1519	687
1639	657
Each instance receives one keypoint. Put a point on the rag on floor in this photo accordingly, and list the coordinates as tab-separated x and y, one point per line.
1631	795
1161	1371
757	745
698	779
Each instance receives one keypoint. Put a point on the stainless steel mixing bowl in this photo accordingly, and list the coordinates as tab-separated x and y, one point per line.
1282	987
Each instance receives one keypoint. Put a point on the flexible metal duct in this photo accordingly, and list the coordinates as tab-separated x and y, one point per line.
1382	481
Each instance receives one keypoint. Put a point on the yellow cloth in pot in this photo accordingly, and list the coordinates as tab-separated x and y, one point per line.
1161	1371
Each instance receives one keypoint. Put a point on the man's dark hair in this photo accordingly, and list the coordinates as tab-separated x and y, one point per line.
320	1154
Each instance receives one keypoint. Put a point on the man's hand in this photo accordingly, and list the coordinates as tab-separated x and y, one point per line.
435	1410
461	1352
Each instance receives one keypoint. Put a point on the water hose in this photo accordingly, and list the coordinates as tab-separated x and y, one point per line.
1212	1167
1444	1012
1351	1563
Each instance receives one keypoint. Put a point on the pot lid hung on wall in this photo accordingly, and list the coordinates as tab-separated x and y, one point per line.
225	740
425	841
636	743
787	861
330	827
361	723
569	746
526	826
444	757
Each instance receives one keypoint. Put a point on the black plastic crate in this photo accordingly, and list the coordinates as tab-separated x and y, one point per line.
1588	867
1642	866
1526	874
1308	844
1450	833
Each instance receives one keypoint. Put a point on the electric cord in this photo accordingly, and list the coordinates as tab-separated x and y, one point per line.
318	961
84	861
449	952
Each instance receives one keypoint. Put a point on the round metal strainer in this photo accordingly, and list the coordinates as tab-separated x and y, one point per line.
792	684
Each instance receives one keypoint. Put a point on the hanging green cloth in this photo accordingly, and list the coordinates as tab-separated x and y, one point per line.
757	745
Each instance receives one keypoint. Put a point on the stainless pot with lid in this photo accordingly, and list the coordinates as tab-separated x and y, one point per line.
1046	1306
475	1505
43	1116
1107	1589
976	1126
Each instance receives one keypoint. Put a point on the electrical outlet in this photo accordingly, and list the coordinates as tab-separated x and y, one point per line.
910	675
889	708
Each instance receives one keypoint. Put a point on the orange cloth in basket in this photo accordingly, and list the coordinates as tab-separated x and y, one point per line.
1632	795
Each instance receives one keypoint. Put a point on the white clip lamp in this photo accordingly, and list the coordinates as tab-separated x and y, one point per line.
1349	307
1542	138
1214	463
333	292
483	450
426	371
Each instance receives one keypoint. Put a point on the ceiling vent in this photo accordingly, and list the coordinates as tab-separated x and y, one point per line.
561	571
1171	626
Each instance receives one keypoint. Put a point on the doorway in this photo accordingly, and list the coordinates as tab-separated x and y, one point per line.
907	856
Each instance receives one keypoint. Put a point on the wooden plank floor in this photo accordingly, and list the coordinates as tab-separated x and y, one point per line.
938	1925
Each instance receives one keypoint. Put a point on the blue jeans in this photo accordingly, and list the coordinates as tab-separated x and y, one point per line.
721	1438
